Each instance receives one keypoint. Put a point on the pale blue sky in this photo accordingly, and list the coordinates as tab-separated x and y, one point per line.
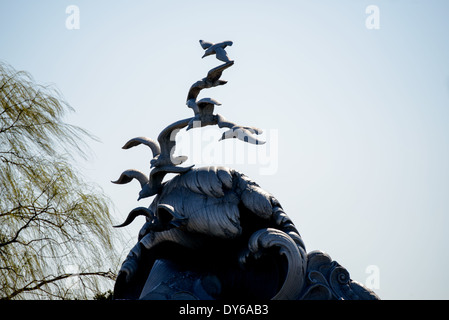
356	120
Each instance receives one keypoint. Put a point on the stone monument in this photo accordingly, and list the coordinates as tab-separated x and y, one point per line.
212	233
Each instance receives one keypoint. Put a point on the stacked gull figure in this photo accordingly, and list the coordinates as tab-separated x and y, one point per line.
163	161
211	232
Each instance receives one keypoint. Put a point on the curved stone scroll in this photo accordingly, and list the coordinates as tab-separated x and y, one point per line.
267	238
328	280
170	281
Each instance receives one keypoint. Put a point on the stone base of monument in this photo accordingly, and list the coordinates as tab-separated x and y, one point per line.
325	280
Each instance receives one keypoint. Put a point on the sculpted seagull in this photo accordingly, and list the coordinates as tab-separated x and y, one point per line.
165	147
154	146
205	107
165	218
211	80
216	48
150	186
203	110
140	211
163	161
242	133
128	175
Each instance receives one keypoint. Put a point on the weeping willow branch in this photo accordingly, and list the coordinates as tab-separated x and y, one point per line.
38	285
50	218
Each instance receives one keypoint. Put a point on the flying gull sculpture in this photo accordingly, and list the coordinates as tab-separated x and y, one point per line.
216	48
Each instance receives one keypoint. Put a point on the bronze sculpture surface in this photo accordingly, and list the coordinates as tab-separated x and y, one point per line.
212	233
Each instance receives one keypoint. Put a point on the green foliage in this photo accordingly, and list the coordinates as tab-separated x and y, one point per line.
55	237
104	295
